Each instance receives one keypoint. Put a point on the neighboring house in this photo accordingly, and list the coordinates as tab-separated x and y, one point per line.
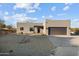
48	27
4	31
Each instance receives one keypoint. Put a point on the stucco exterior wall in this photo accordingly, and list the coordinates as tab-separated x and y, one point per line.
27	27
56	23
45	24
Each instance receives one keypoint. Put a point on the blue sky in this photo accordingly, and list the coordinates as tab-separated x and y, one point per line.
21	12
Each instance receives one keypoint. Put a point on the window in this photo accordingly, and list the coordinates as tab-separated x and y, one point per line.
21	32
31	29
21	28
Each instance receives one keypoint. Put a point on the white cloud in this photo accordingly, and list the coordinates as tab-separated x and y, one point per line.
36	5
76	20
0	5
66	8
61	14
68	3
6	13
1	13
19	18
34	18
47	17
7	17
19	5
75	23
25	19
29	7
43	16
31	11
50	16
53	8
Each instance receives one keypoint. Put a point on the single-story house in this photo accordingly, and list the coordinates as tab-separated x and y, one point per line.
48	27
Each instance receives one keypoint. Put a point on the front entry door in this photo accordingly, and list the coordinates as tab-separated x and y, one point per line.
38	30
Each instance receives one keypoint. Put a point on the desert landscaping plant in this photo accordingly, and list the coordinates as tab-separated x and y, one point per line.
77	32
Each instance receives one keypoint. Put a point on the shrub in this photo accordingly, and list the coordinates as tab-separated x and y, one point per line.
77	32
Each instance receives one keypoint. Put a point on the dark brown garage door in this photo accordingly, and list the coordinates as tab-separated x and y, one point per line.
57	30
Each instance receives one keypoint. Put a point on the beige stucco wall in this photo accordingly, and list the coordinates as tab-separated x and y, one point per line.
45	24
56	23
26	26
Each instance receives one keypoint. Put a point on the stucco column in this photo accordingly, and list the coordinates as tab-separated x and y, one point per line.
44	25
35	30
68	31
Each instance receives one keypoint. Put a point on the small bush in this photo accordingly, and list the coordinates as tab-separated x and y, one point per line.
11	51
77	32
43	34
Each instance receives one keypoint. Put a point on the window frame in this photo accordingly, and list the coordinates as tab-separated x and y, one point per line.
31	29
21	28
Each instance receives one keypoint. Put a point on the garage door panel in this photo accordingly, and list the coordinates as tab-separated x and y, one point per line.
57	31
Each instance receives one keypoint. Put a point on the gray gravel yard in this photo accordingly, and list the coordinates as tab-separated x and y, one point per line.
24	45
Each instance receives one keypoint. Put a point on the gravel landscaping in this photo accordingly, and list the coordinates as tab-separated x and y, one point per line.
39	45
25	45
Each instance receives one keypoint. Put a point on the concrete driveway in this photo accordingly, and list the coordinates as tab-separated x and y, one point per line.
65	45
